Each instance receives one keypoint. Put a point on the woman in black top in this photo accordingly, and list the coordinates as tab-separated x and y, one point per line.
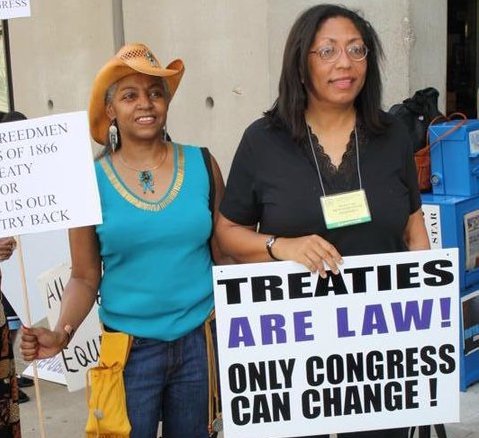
325	135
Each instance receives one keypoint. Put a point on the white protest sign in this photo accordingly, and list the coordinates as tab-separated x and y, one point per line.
375	347
47	182
84	349
50	369
47	176
14	9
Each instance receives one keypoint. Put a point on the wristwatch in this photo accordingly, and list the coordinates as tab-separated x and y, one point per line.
269	245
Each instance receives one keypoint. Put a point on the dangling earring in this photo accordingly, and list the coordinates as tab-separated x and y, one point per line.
113	135
165	133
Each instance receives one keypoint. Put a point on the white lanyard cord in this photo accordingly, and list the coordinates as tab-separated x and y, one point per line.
317	165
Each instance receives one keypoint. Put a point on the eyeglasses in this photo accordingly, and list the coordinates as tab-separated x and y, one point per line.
355	52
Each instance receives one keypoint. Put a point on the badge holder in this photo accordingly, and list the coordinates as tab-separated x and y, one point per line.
343	209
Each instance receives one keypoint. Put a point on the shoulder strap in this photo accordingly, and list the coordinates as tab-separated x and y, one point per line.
207	158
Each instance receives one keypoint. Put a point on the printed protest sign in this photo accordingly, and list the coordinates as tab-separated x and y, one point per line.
47	183
374	347
14	9
84	349
47	176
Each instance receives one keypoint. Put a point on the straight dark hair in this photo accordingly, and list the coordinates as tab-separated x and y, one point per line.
288	109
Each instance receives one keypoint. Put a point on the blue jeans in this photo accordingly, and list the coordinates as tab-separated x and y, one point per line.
168	381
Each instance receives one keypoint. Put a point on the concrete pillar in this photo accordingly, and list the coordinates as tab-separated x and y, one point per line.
232	51
56	52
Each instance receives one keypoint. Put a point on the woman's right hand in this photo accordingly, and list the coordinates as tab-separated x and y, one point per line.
7	246
41	343
311	251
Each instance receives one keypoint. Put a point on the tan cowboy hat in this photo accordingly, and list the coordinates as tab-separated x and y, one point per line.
130	59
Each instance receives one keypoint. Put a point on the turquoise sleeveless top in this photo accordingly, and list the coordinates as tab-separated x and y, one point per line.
157	279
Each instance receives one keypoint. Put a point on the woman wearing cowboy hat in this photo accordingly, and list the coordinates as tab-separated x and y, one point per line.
153	247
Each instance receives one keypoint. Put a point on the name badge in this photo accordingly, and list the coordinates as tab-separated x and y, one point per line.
345	209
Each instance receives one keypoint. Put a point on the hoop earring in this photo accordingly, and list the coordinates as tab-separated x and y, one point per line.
113	135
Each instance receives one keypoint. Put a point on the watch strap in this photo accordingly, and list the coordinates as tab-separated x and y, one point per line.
269	245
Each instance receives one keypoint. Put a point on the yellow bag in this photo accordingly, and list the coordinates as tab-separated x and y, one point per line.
107	415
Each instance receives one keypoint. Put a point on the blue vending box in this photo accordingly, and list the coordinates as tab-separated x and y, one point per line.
453	221
469	357
455	159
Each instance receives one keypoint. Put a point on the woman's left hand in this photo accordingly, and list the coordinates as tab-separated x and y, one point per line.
7	246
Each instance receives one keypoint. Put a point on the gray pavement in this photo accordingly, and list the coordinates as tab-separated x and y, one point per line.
65	413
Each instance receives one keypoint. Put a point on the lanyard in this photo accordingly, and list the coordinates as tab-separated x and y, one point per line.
317	165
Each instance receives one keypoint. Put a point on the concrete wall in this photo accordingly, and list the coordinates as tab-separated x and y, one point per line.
232	51
224	44
56	53
428	53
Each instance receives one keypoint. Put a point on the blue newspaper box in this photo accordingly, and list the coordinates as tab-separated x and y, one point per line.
455	159
469	357
451	222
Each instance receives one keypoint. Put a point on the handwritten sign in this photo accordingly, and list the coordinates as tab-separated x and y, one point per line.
50	369
14	9
84	349
374	347
47	176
